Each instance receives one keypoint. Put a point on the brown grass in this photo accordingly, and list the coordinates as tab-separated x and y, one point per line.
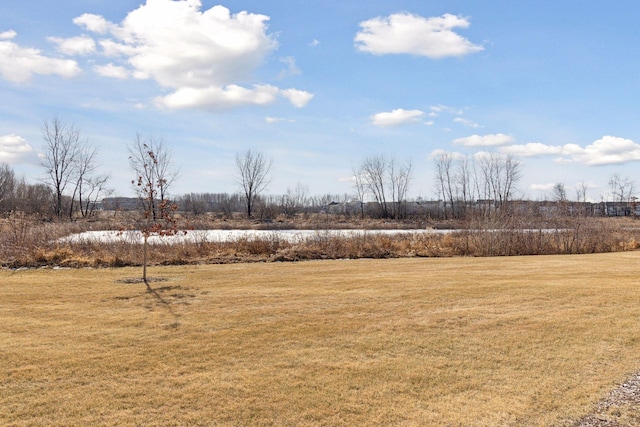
515	341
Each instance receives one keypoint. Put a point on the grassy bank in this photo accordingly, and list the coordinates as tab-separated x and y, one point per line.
29	243
450	341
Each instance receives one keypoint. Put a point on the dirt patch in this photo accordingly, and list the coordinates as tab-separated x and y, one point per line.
135	280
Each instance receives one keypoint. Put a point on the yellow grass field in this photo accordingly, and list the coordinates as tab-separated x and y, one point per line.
518	341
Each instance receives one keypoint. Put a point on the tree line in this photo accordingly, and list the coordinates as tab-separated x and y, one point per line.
73	185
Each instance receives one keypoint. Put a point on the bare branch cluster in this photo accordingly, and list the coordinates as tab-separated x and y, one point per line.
387	181
71	164
490	177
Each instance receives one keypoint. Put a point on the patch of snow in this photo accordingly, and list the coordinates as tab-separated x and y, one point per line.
204	236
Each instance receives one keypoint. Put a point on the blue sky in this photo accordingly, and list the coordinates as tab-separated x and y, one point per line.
318	85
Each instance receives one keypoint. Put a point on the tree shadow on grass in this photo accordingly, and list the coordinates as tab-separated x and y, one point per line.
155	292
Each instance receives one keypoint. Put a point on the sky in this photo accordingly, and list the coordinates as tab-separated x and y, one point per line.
317	86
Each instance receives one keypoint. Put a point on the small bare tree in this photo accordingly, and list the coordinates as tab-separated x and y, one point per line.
253	177
581	192
400	178
91	190
622	189
7	188
159	170
360	185
559	192
295	200
445	178
464	180
157	216
87	186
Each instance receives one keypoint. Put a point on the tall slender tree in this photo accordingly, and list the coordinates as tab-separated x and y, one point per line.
253	177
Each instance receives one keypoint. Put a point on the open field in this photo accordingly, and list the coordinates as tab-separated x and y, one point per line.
533	341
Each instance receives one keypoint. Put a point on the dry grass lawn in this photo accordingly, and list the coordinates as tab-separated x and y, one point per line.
532	341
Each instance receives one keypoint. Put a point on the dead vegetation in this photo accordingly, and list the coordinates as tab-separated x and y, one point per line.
28	242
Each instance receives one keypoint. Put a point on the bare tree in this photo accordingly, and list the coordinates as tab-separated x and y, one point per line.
500	173
151	160
374	170
444	176
253	177
34	199
559	192
157	216
463	180
387	181
7	188
622	189
295	200
61	151
88	187
91	190
360	185
581	192
400	177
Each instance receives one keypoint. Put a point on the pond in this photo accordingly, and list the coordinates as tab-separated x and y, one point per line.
202	236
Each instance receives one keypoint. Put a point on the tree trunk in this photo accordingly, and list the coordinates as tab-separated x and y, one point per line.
144	262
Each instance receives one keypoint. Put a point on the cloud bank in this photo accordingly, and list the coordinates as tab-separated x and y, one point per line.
202	59
608	150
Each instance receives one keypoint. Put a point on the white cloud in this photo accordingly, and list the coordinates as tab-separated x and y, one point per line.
532	149
203	56
18	64
8	35
436	110
298	98
608	150
81	45
272	120
466	123
93	23
111	70
291	69
542	187
412	34
218	98
15	149
484	140
314	43
396	117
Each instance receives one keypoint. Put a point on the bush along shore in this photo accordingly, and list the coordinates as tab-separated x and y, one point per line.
30	242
